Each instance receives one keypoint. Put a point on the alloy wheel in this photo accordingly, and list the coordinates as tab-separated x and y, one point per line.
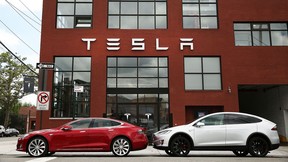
240	153
180	146
258	147
121	147
37	147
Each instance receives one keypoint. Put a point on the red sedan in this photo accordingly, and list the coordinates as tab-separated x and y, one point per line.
85	135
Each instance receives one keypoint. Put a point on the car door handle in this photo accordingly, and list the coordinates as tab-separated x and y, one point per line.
82	131
111	130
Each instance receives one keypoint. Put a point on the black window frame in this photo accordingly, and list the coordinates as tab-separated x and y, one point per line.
73	99
138	15
199	16
75	16
252	29
202	73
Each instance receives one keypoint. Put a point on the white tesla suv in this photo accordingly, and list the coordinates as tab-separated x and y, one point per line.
238	132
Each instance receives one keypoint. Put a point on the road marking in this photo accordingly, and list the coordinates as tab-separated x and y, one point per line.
44	159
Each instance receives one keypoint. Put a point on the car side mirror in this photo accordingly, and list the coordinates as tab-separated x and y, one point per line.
200	124
66	128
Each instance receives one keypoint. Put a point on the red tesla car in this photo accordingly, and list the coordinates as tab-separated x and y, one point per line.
85	135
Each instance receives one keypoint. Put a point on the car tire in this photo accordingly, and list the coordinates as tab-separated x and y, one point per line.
121	146
258	147
2	135
50	153
37	147
180	146
168	152
241	153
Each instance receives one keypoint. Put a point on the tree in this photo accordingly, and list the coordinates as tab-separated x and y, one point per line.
11	84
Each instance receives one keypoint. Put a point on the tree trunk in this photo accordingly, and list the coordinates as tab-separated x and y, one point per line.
7	118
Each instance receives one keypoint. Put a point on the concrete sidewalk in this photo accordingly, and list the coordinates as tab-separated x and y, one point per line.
8	147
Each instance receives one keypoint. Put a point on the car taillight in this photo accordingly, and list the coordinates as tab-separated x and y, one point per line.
274	128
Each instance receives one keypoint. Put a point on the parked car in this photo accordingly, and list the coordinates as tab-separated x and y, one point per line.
89	135
11	132
2	131
237	132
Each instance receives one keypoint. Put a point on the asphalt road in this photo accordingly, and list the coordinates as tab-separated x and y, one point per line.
9	154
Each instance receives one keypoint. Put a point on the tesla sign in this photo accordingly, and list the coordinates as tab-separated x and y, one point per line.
138	44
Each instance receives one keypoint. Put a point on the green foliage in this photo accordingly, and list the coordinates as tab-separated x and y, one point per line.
11	84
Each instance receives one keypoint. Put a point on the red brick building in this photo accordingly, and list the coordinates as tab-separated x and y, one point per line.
165	62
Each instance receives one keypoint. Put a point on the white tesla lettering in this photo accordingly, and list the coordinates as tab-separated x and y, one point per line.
186	42
158	48
113	44
138	44
88	40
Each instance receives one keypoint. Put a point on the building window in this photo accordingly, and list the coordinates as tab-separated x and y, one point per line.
199	14
261	34
74	13
137	14
70	72
138	91
202	73
137	72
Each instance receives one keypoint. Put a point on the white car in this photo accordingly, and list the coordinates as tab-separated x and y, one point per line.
237	132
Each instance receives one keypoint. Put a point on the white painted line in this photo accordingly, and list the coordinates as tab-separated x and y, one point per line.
44	159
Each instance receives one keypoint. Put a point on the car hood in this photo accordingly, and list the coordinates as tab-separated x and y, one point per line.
44	131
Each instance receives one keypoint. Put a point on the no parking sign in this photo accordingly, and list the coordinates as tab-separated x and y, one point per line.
43	98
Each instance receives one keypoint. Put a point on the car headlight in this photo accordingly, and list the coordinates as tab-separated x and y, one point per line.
163	132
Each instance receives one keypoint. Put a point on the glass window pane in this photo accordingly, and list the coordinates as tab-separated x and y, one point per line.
207	1
163	72
191	9
193	82
260	26
111	83
129	8
83	21
148	83
63	63
128	22
112	61
192	65
146	8
148	62
208	9
127	98
160	8
127	72
242	26
126	83
127	62
148	98
81	78
82	63
278	26
163	97
111	98
148	72
163	62
161	22
113	22
146	22
65	22
209	23
83	0
84	9
62	78
163	83
65	9
191	23
211	65
212	82
114	8
111	72
279	38
261	38
243	38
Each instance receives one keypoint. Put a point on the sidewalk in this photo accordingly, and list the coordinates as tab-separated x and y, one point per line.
9	148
